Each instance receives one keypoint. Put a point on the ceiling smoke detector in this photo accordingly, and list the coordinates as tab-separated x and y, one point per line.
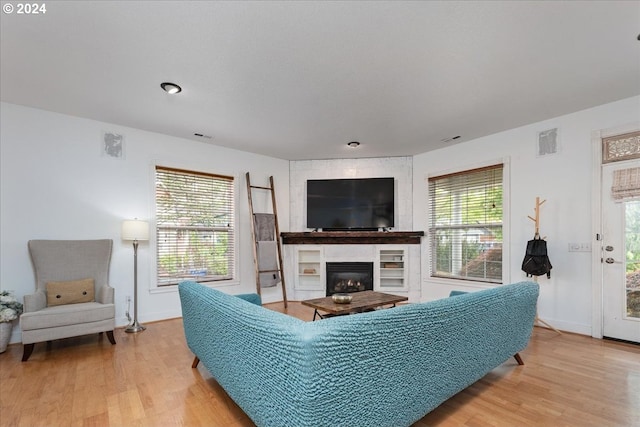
353	144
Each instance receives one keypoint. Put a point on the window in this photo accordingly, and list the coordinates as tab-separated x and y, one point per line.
465	227
195	226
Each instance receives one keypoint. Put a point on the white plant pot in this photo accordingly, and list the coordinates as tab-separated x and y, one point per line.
5	335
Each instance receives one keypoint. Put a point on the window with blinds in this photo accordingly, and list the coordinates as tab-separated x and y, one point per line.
465	225
195	226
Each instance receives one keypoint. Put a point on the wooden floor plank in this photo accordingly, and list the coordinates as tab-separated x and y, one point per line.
147	380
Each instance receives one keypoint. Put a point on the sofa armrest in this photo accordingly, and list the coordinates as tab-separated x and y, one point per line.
34	302
105	295
456	293
252	298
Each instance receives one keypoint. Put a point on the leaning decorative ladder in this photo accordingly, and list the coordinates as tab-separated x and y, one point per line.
254	236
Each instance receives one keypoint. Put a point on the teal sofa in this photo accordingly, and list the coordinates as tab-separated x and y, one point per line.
381	368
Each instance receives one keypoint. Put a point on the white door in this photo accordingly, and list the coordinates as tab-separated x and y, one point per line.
621	260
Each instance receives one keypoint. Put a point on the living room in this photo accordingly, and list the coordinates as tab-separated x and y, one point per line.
43	198
57	183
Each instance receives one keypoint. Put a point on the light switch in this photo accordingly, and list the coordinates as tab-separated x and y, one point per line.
580	247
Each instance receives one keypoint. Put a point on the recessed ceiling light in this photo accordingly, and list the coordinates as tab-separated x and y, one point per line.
353	144
170	87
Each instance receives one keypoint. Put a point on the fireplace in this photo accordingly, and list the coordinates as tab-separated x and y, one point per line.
349	277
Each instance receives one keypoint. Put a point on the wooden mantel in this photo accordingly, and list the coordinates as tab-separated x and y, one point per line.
352	237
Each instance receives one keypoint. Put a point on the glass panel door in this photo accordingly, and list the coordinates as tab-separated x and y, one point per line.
621	259
632	258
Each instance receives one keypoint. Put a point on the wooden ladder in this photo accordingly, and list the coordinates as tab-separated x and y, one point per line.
280	270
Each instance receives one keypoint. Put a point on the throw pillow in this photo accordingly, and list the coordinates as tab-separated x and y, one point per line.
71	292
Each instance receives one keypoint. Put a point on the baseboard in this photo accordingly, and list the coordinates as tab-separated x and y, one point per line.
152	317
575	328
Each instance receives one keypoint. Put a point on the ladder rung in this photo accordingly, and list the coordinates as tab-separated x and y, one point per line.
267	271
262	188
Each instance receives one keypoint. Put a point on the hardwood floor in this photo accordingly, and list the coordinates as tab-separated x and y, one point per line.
147	380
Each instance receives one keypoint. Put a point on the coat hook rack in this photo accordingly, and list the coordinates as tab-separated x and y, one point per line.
536	220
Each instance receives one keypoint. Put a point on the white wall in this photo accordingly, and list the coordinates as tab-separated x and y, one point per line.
56	185
563	179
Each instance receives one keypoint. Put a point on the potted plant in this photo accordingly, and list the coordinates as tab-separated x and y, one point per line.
10	309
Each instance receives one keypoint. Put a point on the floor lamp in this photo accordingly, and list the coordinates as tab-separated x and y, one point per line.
135	230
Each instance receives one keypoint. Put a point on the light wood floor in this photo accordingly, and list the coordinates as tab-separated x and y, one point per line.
147	380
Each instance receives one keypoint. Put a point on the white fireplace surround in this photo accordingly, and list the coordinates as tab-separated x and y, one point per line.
401	169
301	286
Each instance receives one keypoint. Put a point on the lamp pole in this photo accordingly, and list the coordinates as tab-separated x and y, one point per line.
135	326
135	230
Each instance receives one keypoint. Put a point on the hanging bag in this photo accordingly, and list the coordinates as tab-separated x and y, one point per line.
536	261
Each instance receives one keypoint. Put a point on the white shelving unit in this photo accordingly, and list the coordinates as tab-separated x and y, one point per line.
310	269
392	269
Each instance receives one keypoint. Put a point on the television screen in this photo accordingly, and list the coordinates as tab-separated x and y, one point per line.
350	204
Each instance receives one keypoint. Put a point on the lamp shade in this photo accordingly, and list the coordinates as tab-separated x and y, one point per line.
134	229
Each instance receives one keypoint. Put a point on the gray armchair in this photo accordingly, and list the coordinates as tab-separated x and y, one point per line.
72	295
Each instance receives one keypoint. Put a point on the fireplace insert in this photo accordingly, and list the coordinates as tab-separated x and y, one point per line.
345	277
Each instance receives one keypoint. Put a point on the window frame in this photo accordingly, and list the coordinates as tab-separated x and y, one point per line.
156	287
506	226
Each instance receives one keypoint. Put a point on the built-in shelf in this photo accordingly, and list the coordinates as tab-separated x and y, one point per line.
352	237
310	269
392	273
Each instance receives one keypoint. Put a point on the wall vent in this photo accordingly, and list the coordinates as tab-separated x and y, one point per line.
548	142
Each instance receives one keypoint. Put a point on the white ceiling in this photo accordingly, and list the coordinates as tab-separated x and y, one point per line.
298	80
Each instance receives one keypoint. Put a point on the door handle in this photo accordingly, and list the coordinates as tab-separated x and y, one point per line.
612	261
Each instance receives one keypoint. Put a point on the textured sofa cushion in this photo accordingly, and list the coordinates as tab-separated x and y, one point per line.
70	292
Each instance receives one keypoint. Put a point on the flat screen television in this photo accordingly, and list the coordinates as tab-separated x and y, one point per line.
350	204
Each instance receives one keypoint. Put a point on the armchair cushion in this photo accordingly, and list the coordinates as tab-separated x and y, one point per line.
70	292
64	315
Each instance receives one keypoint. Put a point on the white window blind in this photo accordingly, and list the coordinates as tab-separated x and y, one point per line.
465	225
195	226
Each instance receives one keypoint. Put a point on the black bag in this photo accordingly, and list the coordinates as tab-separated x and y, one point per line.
536	261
